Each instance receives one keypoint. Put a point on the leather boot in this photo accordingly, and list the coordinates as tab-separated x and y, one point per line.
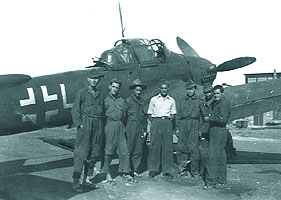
76	186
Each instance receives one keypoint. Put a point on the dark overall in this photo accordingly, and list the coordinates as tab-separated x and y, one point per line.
86	111
206	110
115	140
216	163
188	118
136	125
161	146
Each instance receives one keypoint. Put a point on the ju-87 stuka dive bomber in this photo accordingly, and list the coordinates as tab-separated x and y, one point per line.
28	104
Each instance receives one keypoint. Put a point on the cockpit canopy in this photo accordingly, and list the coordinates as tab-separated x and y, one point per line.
132	52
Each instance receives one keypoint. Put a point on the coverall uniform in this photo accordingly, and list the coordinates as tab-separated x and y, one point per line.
206	110
188	119
216	163
87	111
115	140
161	134
136	125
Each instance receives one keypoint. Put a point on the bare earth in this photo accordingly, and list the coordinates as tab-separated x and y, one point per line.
33	169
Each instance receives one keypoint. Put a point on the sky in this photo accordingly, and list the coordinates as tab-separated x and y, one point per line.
40	37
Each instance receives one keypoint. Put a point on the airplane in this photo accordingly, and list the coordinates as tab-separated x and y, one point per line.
28	104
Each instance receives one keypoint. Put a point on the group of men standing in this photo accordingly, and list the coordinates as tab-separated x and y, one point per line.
117	125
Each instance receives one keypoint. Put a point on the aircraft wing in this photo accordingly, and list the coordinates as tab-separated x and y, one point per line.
253	98
11	80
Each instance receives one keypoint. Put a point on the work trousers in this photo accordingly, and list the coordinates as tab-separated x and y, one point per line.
161	146
216	162
188	144
135	142
115	141
87	145
203	156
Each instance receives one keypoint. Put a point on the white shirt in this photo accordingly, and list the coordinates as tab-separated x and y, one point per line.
162	106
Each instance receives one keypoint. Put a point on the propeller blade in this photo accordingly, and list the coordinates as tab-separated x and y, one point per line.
186	49
235	63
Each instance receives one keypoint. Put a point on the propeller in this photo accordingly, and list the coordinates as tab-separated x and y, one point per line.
186	48
236	63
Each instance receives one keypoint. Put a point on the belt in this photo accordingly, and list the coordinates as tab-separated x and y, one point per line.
215	124
92	116
113	120
164	117
187	118
134	120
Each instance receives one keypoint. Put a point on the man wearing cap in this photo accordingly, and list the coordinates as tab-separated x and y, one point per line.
136	125
161	111
86	115
188	119
205	127
115	140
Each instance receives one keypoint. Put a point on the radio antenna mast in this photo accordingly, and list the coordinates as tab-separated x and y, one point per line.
123	29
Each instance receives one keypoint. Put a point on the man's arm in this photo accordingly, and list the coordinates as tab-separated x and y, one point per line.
76	110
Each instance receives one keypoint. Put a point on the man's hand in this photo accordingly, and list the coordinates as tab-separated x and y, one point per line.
206	119
144	134
80	126
177	133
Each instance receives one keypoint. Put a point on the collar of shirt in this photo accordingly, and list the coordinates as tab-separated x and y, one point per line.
138	100
188	98
166	97
95	94
114	98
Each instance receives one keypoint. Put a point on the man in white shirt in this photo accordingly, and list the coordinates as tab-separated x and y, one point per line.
161	111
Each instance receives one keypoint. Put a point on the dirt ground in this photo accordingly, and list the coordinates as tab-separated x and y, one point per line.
31	168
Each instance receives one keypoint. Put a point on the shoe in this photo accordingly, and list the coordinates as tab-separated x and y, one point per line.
168	175
127	177
182	173
152	174
137	174
206	187
76	186
89	179
90	183
109	180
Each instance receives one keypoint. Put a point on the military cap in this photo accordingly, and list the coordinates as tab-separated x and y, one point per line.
190	84
115	81
136	83
207	88
95	74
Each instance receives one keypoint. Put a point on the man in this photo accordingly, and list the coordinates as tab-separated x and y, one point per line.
206	110
86	115
188	118
136	125
161	110
115	140
216	163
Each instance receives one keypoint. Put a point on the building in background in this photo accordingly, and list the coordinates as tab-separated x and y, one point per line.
261	118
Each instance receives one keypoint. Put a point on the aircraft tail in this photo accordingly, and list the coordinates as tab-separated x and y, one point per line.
11	80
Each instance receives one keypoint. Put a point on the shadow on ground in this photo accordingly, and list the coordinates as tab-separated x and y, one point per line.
244	157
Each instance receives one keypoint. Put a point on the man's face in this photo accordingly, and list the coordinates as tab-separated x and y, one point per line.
217	94
137	91
190	91
164	90
93	81
208	95
114	88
